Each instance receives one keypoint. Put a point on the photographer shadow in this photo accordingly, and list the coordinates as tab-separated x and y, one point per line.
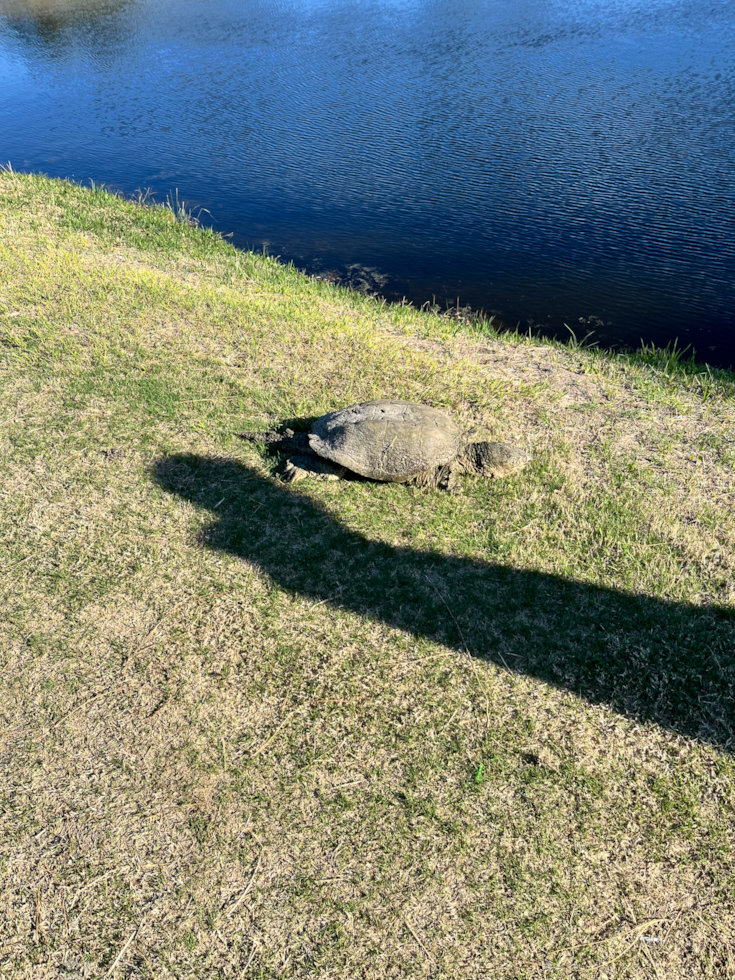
651	660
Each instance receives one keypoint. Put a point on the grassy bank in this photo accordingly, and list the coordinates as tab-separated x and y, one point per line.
346	729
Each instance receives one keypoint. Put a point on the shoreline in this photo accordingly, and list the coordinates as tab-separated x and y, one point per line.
673	358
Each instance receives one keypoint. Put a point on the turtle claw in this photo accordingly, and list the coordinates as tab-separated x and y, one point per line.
291	473
302	467
448	479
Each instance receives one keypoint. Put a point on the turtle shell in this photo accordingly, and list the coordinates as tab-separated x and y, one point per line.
386	440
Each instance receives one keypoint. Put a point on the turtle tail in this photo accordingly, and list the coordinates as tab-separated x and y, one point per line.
287	441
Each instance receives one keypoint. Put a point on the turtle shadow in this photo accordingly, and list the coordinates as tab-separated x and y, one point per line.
649	659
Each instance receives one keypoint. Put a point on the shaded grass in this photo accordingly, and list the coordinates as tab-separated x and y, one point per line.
358	730
651	659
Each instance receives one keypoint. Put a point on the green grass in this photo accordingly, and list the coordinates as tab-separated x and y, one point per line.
346	729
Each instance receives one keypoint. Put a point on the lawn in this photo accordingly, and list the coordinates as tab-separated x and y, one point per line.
346	729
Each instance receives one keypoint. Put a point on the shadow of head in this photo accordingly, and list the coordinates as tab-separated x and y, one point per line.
650	659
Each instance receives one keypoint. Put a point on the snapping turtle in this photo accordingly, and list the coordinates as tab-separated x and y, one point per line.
394	441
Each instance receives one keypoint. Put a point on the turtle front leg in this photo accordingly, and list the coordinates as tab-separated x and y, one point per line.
493	459
303	467
448	477
439	477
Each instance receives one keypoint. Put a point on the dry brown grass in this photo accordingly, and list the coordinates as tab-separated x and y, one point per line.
220	760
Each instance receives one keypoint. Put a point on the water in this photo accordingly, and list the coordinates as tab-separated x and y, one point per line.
549	161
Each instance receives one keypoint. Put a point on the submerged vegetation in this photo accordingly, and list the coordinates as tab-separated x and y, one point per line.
354	729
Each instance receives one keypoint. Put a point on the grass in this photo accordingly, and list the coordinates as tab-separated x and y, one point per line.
354	729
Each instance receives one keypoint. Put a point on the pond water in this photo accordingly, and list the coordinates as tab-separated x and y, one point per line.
549	161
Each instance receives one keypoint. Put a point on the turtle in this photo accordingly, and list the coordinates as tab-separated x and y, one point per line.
391	441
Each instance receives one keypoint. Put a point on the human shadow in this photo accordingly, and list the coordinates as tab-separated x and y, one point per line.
650	659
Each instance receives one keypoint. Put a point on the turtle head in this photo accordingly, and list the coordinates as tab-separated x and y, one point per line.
492	459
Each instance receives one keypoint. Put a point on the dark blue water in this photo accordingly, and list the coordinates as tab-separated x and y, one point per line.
549	161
